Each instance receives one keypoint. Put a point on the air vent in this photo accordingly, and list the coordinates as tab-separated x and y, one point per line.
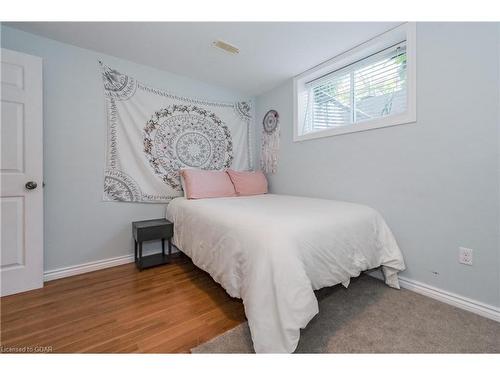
226	47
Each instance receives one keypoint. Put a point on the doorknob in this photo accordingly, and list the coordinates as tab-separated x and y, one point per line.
30	185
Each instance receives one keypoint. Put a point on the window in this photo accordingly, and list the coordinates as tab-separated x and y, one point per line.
372	88
369	87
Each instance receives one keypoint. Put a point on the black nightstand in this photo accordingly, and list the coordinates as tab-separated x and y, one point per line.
148	230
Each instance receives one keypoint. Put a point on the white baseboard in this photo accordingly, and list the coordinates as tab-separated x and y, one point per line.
59	273
78	269
453	299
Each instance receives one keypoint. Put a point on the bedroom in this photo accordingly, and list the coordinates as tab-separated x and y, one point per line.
211	187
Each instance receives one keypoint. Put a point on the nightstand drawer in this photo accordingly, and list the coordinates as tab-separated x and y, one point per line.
154	233
153	230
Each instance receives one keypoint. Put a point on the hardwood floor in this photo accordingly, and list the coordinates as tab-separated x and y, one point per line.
168	309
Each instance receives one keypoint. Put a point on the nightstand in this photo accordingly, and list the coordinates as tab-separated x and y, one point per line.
148	230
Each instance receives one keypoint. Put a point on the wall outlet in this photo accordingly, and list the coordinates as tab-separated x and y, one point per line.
465	255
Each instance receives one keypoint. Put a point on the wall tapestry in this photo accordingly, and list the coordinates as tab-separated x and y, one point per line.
270	142
152	134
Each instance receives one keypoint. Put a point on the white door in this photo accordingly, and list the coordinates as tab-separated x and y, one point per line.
21	200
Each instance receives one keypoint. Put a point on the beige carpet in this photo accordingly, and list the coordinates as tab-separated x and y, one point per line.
370	317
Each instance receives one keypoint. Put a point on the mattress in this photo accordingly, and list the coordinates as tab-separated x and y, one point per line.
273	251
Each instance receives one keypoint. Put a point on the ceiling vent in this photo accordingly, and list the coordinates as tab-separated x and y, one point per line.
226	47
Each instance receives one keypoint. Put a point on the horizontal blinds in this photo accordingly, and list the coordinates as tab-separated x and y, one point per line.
370	88
380	86
331	102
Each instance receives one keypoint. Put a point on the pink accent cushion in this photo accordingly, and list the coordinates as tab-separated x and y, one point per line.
248	183
207	184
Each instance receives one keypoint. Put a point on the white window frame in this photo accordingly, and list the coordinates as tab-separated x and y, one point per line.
406	31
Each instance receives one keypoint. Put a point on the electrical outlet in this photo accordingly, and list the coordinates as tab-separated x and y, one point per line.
465	255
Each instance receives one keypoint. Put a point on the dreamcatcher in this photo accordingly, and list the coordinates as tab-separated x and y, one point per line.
270	142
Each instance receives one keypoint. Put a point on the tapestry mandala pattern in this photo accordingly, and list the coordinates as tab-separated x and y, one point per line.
120	187
183	136
116	85
152	134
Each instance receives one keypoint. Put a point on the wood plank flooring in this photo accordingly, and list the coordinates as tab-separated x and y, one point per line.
168	309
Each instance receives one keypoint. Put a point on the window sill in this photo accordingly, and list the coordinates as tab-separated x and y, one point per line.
402	119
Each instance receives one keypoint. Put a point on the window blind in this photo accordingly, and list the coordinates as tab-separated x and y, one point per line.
373	87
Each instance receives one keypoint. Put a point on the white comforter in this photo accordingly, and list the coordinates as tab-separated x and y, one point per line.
273	251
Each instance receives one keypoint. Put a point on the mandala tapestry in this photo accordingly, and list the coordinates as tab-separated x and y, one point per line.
152	134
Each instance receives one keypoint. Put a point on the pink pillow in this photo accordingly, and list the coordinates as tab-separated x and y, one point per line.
207	184
248	183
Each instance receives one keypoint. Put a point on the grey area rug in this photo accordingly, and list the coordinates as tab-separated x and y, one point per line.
370	317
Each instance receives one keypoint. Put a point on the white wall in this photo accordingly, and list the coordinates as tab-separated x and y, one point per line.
79	227
436	181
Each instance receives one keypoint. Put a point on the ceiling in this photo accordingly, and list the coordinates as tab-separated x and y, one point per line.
270	52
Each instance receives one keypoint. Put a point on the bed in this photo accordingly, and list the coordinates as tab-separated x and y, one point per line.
273	251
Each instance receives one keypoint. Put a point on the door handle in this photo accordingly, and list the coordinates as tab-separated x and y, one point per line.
30	185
